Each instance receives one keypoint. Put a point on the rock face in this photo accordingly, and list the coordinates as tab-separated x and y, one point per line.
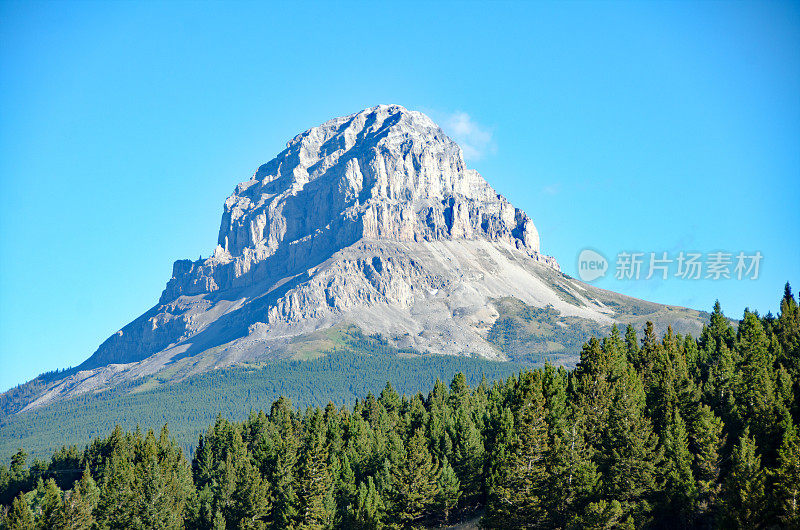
373	220
386	173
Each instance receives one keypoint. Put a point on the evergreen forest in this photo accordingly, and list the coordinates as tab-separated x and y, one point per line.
646	431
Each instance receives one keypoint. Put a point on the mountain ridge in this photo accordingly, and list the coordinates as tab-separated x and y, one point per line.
371	220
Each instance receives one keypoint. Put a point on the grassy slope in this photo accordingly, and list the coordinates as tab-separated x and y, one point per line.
535	335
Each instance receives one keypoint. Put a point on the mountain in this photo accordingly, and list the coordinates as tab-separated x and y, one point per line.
368	227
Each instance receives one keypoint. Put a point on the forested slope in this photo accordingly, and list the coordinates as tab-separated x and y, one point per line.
341	376
650	432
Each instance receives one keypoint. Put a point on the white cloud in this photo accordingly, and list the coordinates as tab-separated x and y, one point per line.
552	189
475	140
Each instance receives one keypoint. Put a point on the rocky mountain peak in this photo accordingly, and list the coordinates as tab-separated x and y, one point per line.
383	173
371	222
392	170
371	219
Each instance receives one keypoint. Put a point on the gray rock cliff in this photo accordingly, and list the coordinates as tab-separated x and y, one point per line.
386	173
370	220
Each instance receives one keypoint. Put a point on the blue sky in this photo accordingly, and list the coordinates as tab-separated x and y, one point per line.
617	126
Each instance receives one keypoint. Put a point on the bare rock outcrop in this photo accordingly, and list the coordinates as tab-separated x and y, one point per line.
371	219
386	173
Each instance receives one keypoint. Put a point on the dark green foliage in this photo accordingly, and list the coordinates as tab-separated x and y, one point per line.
706	443
229	486
51	505
449	490
415	477
315	483
666	432
20	516
786	480
630	454
145	483
367	511
520	476
573	470
680	488
79	503
191	405
744	487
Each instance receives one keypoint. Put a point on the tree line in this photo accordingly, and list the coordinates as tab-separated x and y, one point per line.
650	432
342	375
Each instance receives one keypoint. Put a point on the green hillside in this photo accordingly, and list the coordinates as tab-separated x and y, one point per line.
645	432
188	406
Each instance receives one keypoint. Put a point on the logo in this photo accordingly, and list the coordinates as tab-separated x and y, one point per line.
591	265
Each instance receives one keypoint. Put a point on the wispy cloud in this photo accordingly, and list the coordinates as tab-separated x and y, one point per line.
552	189
475	140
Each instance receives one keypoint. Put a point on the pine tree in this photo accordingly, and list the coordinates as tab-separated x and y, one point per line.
228	481
20	517
17	470
439	422
787	329
517	493
554	388
468	454
707	441
414	480
459	391
66	465
719	388
744	487
250	500
661	392
630	455
784	391
755	397
719	332
680	486
648	354
5	479
117	494
603	515
370	409
51	505
786	480
161	483
286	501
345	484
694	364
632	346
500	438
79	504
449	490
390	400
17	479
368	510
592	388
574	476
218	522
315	484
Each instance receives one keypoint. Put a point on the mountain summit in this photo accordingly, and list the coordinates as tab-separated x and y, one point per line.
384	173
371	222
